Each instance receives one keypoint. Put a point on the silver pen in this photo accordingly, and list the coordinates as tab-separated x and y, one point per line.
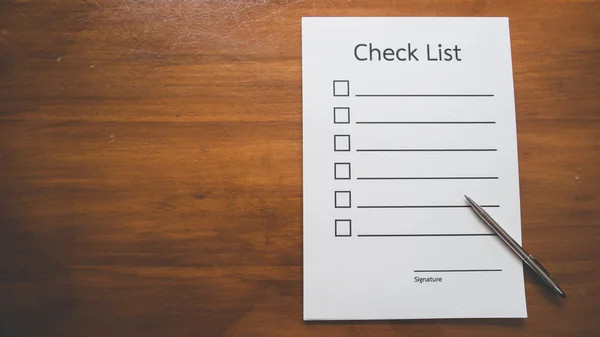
528	259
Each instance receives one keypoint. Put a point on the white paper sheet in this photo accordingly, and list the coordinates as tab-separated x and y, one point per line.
392	140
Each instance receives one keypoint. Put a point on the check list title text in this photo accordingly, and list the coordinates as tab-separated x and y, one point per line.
439	53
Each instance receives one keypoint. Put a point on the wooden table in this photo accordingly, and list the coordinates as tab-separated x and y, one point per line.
150	159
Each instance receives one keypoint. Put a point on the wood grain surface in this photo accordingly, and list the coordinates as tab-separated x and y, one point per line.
150	161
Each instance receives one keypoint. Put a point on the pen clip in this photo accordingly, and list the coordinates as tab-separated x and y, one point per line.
541	266
553	283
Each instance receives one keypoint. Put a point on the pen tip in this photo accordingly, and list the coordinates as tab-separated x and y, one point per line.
470	200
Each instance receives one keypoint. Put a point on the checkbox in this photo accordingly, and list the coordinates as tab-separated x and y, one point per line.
343	227
341	170
341	88
342	199
341	115
341	143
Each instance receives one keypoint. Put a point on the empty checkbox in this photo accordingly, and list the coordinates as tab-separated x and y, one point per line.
341	88
342	199
343	227
341	143
341	170
341	115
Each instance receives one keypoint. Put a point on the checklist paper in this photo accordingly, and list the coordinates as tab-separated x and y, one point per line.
402	117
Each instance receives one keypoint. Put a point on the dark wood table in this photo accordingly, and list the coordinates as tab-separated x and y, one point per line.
150	159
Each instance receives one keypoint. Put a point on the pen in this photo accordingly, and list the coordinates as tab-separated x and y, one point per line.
528	259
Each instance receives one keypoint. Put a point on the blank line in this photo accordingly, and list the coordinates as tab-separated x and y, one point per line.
455	270
424	95
426	150
411	235
426	206
424	178
464	122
